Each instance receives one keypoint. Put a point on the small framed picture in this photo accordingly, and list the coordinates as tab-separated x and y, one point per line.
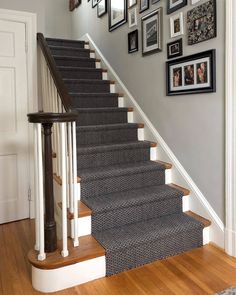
152	32
101	8
173	5
192	74
117	13
133	41
94	3
131	3
175	48
176	25
132	17
201	23
143	5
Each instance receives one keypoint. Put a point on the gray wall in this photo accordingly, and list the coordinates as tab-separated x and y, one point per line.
53	16
192	125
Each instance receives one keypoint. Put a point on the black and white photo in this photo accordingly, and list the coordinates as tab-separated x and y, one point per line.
117	13
175	49
102	8
133	41
132	17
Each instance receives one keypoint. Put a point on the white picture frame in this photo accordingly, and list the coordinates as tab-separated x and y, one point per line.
177	25
133	17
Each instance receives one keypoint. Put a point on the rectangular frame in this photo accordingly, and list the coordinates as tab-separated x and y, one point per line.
132	13
142	9
173	6
178	44
133	47
157	15
192	74
122	16
102	3
173	19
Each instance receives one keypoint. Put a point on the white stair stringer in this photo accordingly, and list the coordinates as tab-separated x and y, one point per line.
197	201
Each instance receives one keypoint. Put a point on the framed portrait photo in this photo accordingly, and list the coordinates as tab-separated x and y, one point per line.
132	17
143	5
101	8
131	3
177	25
173	5
152	32
201	23
133	41
117	13
94	3
175	49
192	74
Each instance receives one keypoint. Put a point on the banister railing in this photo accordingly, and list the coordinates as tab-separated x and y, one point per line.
46	236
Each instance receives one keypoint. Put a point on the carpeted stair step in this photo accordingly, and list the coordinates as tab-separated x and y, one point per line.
102	116
140	243
94	100
69	61
65	43
87	86
105	134
119	209
81	73
118	178
70	51
113	154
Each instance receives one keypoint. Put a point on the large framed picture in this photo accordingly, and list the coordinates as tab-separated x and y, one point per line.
192	74
101	8
143	5
152	32
133	41
175	49
201	23
117	13
173	5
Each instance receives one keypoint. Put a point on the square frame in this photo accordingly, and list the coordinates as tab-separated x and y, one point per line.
154	16
120	19
132	13
191	74
173	6
202	23
177	19
142	9
133	47
101	4
175	49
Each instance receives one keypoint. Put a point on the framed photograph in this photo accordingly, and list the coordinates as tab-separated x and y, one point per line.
192	74
117	13
143	5
133	41
133	17
152	32
131	3
101	8
173	5
176	25
201	23
94	3
175	49
155	1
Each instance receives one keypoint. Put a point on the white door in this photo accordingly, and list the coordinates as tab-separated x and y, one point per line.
14	162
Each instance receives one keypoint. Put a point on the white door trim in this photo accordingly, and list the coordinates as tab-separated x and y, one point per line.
29	19
230	157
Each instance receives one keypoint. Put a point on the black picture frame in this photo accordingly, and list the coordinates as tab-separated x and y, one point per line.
101	4
114	24
175	49
142	9
171	7
133	41
202	22
94	3
152	43
192	74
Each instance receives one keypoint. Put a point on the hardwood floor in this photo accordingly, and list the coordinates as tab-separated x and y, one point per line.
202	271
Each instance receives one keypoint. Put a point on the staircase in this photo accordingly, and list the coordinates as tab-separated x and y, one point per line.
136	216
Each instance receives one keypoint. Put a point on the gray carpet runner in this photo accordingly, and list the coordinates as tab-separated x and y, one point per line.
136	217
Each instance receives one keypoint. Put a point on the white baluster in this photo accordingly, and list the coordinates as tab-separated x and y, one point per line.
64	251
71	187
36	175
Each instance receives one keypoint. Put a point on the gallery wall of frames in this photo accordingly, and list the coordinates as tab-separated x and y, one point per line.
184	74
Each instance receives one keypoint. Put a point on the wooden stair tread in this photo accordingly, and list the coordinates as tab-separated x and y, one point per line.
89	248
167	165
185	191
205	221
82	208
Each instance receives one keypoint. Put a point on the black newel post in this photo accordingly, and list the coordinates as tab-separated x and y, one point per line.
50	224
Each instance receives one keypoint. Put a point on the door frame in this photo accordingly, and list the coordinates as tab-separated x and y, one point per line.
29	19
230	129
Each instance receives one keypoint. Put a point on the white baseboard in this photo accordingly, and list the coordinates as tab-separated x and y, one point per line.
197	203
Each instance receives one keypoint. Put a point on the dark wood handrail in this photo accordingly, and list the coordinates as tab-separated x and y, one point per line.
43	118
54	72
